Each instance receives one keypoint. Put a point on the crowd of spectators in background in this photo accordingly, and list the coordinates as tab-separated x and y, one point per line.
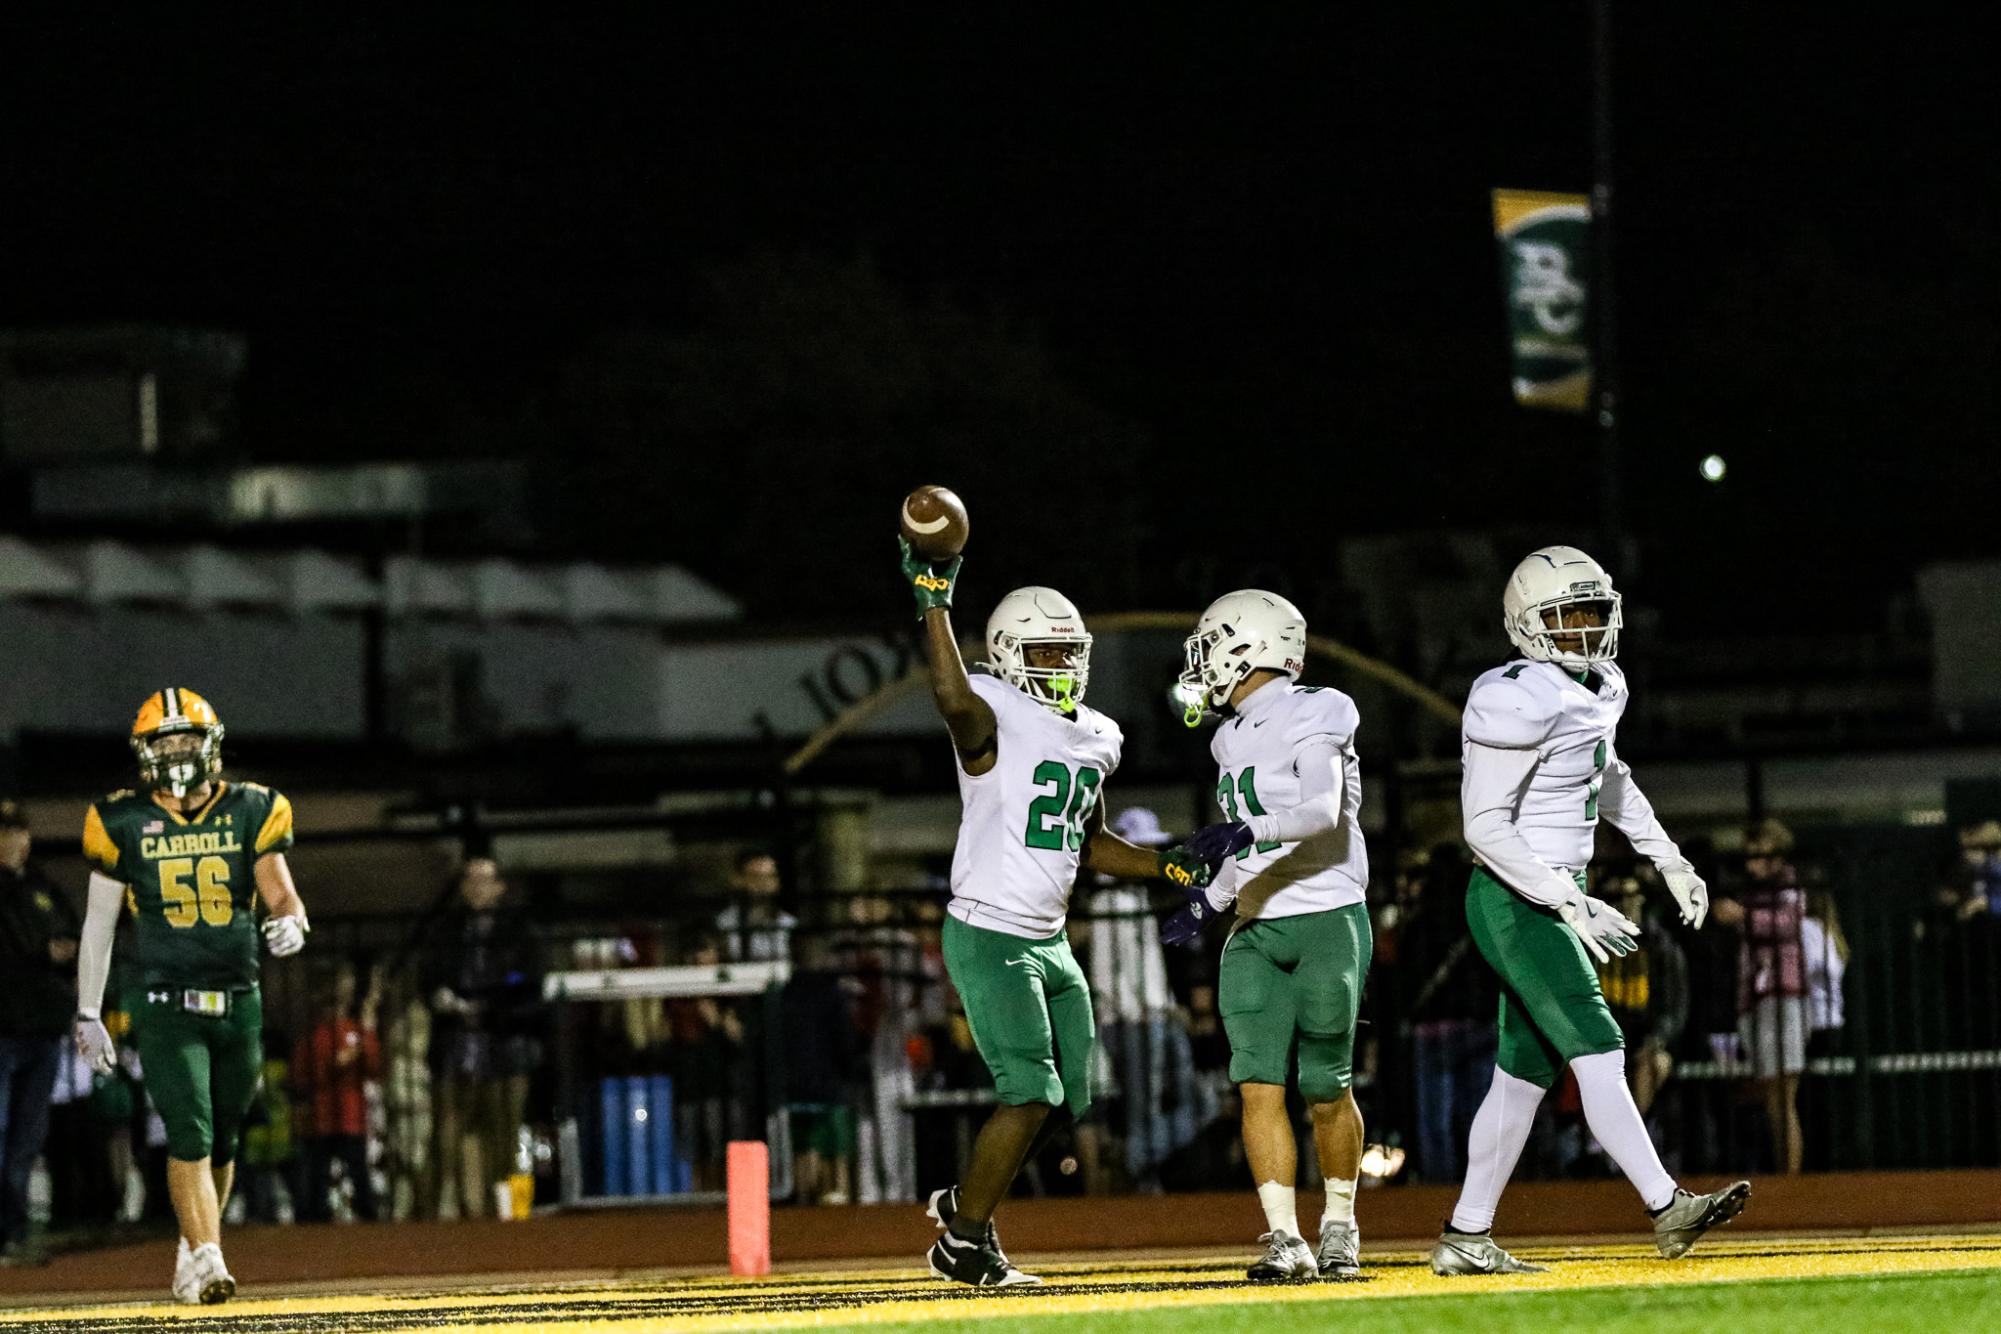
418	1082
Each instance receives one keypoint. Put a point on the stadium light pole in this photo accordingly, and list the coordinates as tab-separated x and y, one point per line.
1604	301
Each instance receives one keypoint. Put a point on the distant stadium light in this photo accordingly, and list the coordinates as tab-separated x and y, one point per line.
1713	468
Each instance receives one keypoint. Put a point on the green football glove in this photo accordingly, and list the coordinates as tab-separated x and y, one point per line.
1183	869
930	584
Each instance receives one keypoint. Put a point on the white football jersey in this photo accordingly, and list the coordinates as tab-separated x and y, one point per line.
1527	705
1256	753
1022	822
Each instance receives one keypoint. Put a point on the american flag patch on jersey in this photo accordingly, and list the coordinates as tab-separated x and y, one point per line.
153	827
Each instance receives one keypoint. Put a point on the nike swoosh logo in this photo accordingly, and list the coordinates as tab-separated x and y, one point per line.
1256	726
936	525
1021	962
1484	1263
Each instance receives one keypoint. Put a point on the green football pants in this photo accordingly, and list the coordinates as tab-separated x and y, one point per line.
1294	985
201	1070
1552	1009
1030	1011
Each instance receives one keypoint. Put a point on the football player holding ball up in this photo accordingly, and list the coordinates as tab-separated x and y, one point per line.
1032	761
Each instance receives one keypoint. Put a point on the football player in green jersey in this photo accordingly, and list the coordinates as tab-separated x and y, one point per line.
190	856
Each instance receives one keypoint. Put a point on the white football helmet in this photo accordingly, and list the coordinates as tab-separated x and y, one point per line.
1240	633
1029	617
1548	581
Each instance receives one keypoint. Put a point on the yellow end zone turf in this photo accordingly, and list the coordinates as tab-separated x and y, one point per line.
900	1296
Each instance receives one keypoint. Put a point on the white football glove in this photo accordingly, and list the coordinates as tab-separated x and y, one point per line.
1605	931
93	1044
1691	895
285	936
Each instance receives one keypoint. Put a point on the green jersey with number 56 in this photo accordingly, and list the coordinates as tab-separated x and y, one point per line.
190	879
1022	822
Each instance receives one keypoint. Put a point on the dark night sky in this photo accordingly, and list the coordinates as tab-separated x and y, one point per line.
1256	235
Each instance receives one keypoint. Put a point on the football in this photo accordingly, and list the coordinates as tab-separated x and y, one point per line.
934	522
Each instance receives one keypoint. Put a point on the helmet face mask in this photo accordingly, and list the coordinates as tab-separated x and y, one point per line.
177	740
1040	618
1240	633
1560	607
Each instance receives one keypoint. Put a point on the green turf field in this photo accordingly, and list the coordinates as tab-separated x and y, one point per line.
1933	1303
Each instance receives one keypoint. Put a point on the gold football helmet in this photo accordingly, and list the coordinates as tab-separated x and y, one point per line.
178	741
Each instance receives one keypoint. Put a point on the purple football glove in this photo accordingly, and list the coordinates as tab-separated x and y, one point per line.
1186	926
1217	843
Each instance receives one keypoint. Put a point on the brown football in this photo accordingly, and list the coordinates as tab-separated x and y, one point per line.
934	521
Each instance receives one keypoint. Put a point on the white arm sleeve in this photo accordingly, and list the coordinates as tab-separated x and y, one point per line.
93	955
1621	801
1319	766
1489	791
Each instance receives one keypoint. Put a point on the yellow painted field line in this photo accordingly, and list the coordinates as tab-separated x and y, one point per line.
900	1297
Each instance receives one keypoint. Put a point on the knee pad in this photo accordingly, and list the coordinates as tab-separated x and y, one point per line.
190	1141
1326	1067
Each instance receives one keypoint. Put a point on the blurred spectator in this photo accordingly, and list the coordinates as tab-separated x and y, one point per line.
1160	1103
1771	983
1826	952
124	1115
38	939
82	1193
1980	846
485	982
1959	939
1450	1006
1647	991
708	1045
268	1152
753	928
895	980
331	1070
823	1054
406	1096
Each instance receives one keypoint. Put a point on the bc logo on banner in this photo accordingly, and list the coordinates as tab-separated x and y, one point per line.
1542	241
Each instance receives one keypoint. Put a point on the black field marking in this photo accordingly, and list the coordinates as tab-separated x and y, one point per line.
628	1309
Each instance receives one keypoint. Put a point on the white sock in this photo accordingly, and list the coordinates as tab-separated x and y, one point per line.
1615	1121
1340	1203
1500	1129
1281	1213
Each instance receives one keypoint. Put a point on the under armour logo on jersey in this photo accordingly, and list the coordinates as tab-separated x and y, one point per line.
159	997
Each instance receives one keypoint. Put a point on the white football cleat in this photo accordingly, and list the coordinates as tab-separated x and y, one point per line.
1460	1253
1286	1257
1340	1254
184	1290
208	1277
1687	1217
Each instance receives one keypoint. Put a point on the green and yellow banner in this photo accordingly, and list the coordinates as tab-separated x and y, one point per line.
1545	266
